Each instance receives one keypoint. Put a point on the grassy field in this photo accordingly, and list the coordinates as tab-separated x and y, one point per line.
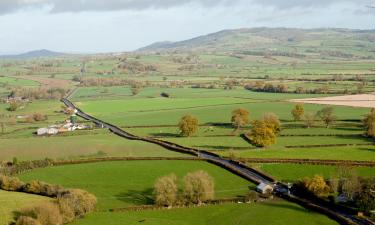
295	172
88	144
275	213
11	202
126	183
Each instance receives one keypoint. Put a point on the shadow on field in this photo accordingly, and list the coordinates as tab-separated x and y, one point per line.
166	135
219	147
137	197
285	206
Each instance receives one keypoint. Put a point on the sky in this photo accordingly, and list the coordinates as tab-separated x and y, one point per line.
89	26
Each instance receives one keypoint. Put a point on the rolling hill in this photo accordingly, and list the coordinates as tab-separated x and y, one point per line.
43	53
340	43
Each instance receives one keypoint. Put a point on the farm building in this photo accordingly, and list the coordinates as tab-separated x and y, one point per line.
264	188
47	131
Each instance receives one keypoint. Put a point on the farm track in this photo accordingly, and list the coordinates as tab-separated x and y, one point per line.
236	167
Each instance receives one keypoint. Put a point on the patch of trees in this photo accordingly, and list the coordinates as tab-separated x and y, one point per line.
69	204
352	190
136	67
274	53
261	86
9	168
198	187
325	115
185	59
36	117
38	93
111	82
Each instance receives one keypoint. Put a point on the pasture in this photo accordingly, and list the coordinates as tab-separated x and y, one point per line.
240	214
128	183
11	202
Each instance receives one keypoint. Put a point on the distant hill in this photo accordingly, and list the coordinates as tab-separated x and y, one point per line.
344	43
33	54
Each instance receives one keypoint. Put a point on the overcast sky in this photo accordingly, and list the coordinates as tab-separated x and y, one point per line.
124	25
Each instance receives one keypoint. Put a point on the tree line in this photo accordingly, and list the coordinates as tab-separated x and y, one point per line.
68	204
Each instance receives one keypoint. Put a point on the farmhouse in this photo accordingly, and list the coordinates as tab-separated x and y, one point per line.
264	188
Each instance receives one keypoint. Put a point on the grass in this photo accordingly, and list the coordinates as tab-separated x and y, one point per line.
275	213
11	202
294	172
126	183
88	144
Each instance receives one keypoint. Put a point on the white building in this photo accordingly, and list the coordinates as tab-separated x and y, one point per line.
264	188
47	131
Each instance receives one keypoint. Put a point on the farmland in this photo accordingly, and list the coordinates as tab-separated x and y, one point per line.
147	94
11	202
221	214
121	193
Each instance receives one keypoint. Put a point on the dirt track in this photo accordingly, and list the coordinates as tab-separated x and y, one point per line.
362	100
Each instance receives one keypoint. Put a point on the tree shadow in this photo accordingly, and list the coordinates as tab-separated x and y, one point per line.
286	206
219	147
166	135
136	197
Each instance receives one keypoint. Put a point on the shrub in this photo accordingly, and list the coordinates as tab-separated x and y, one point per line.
47	213
272	121
369	123
166	190
261	135
317	186
298	112
45	189
240	118
39	117
198	187
13	106
326	115
188	125
10	183
25	220
75	203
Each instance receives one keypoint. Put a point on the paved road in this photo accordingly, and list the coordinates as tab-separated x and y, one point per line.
233	166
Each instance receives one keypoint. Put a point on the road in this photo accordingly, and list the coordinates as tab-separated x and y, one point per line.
235	167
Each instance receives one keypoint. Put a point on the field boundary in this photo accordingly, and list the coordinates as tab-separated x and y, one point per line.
310	161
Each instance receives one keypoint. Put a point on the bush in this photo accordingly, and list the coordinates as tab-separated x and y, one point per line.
10	183
39	117
47	213
25	220
75	203
41	188
198	187
316	185
166	190
240	118
188	125
261	135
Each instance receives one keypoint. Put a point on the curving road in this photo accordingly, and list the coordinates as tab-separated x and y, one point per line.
235	167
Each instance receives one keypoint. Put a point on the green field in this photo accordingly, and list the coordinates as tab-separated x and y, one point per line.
275	213
11	202
294	172
126	183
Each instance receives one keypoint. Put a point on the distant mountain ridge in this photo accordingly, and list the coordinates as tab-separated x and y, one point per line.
43	53
325	41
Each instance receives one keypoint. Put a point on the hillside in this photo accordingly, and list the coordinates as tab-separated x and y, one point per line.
341	43
33	54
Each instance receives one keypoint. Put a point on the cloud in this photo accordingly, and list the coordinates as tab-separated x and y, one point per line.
55	6
8	6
